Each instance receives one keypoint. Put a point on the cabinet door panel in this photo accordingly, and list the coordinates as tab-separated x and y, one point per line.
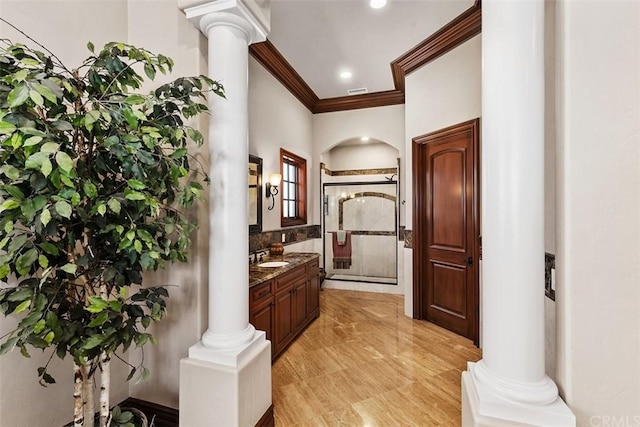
313	296
283	328
262	319
299	305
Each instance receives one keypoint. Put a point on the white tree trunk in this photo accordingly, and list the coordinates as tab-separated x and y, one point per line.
105	367
78	403
89	391
105	385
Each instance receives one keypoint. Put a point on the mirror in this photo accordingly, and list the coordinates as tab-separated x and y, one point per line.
255	194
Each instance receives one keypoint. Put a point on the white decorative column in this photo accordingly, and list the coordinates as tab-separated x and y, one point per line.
509	386
226	380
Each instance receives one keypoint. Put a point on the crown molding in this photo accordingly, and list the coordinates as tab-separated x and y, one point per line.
355	102
465	26
267	55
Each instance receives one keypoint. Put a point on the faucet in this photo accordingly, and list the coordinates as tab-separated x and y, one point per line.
257	257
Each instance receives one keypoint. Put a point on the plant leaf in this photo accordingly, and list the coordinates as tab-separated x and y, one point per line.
49	248
130	117
18	96
9	205
46	167
8	345
5	270
134	195
63	208
36	98
43	261
6	128
70	268
89	189
64	161
150	71
46	92
14	191
26	260
134	99
33	140
136	185
45	217
10	171
114	205
22	306
49	147
35	160
99	320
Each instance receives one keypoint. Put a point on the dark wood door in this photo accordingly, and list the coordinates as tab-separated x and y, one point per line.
446	226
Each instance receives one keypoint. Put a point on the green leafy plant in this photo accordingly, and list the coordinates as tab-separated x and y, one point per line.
94	178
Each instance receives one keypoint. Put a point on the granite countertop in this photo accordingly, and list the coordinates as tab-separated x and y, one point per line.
259	275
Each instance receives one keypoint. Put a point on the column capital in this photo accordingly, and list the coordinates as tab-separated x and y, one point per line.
250	16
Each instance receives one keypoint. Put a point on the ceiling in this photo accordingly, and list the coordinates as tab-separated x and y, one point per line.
322	38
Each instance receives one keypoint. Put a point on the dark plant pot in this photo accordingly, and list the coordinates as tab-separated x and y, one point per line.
139	419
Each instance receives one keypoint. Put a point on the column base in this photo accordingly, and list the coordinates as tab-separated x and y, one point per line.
225	355
219	394
483	407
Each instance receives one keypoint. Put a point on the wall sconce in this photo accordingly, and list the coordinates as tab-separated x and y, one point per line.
272	188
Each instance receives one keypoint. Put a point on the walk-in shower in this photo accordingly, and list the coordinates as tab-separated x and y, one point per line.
361	231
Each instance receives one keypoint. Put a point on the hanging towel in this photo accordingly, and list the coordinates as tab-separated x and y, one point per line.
341	252
341	235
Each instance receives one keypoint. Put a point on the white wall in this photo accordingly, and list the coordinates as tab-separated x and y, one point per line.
64	27
159	26
278	120
598	210
381	123
366	156
442	93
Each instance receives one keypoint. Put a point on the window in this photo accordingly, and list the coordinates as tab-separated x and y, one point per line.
294	189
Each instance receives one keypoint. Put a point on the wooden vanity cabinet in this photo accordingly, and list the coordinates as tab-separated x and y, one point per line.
261	308
285	305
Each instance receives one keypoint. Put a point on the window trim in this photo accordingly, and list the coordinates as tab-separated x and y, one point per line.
301	167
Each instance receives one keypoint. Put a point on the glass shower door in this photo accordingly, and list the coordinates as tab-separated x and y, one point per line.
361	232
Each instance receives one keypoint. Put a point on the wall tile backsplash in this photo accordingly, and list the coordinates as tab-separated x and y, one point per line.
262	241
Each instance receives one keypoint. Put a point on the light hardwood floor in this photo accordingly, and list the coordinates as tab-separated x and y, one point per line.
363	363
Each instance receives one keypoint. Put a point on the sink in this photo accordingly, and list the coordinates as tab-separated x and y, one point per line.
273	264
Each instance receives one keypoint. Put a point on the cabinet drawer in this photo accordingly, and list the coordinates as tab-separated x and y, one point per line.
260	293
313	265
290	277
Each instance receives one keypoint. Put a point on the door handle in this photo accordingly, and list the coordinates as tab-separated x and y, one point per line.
470	260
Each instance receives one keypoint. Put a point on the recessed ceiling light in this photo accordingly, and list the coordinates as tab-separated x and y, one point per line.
364	139
346	75
377	4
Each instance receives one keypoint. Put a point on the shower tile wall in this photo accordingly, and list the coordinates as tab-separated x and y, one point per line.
372	220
